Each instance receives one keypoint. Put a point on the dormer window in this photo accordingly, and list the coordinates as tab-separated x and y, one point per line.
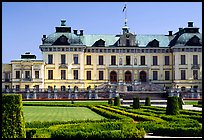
194	41
99	43
62	40
153	43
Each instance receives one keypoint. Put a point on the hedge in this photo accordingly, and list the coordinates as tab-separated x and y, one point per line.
13	125
147	101
172	106
136	102
99	130
117	101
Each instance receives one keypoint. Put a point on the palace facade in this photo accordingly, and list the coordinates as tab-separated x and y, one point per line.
72	58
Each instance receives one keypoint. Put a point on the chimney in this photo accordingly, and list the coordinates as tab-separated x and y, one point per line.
75	32
81	32
170	33
180	29
63	22
190	24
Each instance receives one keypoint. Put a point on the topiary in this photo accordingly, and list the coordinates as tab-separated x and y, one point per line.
110	101
172	106
180	103
117	101
147	101
13	125
136	102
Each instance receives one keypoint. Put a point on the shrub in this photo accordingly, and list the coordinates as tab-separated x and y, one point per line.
199	102
117	101
147	101
172	106
110	101
180	103
136	102
13	125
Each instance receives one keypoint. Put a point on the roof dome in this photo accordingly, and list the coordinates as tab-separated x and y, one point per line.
186	36
71	38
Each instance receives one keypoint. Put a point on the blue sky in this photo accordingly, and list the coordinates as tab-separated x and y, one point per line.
24	23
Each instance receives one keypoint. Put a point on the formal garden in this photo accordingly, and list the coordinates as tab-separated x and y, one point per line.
97	119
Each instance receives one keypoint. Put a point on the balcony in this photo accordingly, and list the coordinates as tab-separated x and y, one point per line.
27	79
63	66
195	66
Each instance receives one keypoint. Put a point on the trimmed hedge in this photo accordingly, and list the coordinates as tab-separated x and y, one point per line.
180	102
13	125
147	101
136	102
98	130
172	106
117	101
110	101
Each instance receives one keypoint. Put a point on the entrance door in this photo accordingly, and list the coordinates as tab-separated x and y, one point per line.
113	76
143	76
128	76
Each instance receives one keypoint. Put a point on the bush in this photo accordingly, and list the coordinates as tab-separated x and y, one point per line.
110	101
99	130
13	125
199	102
136	102
147	101
117	101
172	106
180	102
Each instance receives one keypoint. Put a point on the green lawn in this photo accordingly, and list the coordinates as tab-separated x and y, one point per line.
43	113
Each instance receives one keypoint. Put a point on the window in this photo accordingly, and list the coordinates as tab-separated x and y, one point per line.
76	59
37	74
183	75
113	60
127	60
142	60
155	75
167	75
100	60
76	74
63	59
195	74
154	60
50	59
195	59
63	88
88	60
50	74
127	42
166	60
100	75
183	59
63	74
6	76
17	74
17	87
27	74
88	75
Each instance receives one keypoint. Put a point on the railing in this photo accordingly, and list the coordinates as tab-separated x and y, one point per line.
195	66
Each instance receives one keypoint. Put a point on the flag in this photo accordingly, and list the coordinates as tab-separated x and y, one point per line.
124	8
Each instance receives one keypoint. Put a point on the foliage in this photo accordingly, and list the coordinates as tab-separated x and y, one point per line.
147	101
99	130
172	106
180	103
117	101
136	102
13	125
110	101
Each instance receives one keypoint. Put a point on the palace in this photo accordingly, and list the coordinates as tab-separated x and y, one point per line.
72	58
